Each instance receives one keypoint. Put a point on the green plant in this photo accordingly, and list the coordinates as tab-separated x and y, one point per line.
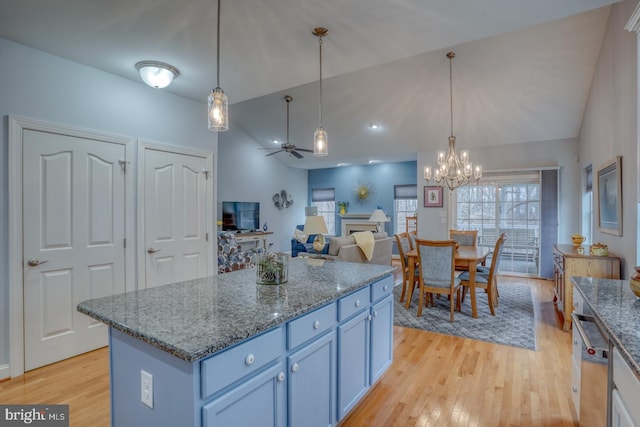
272	269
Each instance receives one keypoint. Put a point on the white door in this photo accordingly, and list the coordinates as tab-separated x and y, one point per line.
175	217
73	231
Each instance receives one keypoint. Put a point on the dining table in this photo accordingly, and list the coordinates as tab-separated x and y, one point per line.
466	258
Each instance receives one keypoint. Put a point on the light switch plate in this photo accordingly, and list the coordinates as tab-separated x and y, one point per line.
146	388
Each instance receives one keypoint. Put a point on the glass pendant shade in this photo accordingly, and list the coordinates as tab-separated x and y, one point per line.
218	110
157	74
320	142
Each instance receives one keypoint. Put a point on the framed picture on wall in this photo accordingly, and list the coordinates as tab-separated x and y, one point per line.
609	197
432	197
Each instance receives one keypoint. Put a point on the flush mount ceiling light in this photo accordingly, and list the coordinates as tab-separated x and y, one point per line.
218	103
320	135
157	74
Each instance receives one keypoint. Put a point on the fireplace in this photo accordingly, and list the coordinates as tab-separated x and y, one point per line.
356	222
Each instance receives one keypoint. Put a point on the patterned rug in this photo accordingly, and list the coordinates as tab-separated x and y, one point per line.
512	325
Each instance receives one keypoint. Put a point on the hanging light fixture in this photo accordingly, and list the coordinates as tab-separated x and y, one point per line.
453	171
218	104
157	74
320	135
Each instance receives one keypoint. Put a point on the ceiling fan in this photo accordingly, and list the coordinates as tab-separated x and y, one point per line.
287	147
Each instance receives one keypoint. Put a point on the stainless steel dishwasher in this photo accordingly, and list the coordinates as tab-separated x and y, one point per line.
594	371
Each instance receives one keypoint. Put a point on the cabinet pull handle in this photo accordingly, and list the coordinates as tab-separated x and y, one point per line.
249	359
575	389
281	377
316	324
295	367
369	317
357	303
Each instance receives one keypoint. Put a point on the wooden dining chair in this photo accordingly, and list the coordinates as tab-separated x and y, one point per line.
404	245
488	282
437	271
464	237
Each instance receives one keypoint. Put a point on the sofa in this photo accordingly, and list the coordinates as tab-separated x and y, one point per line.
345	249
297	247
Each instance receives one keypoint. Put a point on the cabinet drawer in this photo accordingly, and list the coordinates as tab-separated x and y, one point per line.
381	288
311	325
627	384
233	364
353	303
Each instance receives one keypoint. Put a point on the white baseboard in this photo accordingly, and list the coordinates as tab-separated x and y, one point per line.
5	371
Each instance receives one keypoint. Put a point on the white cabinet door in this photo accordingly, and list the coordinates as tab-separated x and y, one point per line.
620	417
175	217
73	230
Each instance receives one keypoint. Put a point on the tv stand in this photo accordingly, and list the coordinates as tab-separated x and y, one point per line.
254	236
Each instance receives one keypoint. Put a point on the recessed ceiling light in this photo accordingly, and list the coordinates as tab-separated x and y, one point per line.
157	74
374	126
275	141
374	161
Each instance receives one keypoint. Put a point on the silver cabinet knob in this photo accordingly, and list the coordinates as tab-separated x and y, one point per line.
385	288
357	303
34	262
375	313
152	250
295	367
280	377
316	324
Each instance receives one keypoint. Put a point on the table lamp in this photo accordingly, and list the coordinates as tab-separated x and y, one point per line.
378	216
315	224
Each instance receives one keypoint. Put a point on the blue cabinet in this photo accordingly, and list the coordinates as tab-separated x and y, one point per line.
312	383
260	401
353	362
381	337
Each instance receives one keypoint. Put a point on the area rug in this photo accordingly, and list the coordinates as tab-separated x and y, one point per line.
512	325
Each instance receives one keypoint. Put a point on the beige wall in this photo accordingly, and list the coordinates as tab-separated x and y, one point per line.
609	127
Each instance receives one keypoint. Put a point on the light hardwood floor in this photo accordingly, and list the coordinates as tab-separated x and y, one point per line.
435	380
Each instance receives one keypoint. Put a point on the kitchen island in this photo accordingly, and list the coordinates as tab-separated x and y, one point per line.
223	351
617	313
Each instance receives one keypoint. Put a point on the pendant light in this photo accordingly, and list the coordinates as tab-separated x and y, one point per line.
218	104
320	135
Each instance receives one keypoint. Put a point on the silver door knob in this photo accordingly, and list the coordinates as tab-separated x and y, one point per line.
152	250
33	262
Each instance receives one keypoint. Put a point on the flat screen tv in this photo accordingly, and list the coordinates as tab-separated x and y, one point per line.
240	216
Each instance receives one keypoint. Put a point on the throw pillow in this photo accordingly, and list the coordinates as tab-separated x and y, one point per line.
300	236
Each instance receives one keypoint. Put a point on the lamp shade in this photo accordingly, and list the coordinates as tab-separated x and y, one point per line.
378	216
315	225
157	74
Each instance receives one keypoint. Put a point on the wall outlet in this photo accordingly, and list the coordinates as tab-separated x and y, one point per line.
146	388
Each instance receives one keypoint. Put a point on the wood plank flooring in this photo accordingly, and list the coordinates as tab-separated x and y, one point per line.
435	380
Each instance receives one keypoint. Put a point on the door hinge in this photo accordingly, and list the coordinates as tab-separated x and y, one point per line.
125	242
206	236
123	165
206	174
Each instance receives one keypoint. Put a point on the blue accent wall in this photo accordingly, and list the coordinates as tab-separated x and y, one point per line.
382	176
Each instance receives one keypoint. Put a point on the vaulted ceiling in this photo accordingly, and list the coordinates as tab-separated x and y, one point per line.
522	70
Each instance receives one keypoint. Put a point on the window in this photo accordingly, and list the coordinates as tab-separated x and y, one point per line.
510	204
405	204
587	205
325	200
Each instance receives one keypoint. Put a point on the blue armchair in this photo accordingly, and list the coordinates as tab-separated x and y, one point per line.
297	247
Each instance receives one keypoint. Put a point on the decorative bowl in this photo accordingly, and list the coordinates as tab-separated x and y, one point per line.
599	249
635	287
577	239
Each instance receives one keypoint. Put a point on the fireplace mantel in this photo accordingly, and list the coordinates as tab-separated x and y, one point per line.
351	222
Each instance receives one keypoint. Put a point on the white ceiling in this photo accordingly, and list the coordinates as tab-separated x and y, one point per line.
522	72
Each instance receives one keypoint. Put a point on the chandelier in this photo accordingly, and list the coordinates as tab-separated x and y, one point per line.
453	171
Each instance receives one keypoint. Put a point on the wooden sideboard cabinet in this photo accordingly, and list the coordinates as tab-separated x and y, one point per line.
567	263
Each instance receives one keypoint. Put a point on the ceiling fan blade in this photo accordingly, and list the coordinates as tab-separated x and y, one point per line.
305	150
275	152
295	153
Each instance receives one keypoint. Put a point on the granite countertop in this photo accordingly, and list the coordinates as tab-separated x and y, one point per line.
196	318
617	309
